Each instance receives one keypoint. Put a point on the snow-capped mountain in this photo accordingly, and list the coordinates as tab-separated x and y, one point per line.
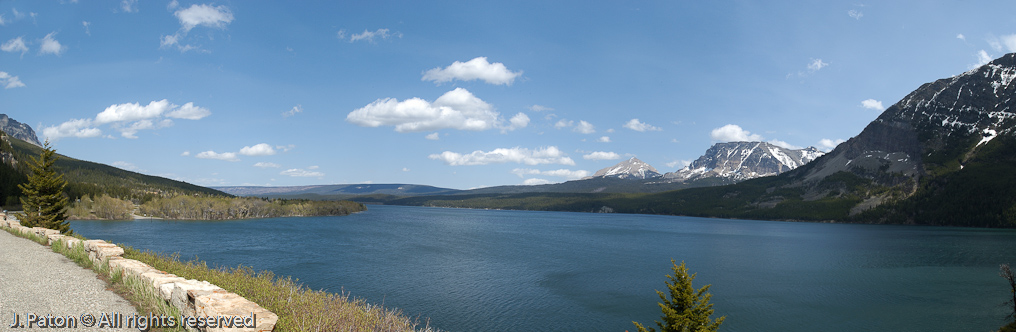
629	169
739	161
18	130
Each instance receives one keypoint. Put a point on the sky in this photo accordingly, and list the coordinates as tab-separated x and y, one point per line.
465	94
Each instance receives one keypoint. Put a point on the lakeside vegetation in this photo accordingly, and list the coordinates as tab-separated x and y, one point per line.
208	208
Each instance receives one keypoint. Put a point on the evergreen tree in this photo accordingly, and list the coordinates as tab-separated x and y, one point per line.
687	309
44	203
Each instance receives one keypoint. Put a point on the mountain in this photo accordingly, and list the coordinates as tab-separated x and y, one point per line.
18	130
337	190
629	169
943	155
739	161
85	177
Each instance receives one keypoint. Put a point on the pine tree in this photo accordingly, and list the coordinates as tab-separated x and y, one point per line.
687	309
44	203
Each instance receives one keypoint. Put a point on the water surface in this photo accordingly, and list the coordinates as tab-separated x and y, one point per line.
481	270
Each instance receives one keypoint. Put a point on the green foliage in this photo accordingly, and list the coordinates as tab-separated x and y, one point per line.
44	203
1010	278
224	208
109	208
686	309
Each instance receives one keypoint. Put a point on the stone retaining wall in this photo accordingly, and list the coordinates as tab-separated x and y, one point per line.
191	297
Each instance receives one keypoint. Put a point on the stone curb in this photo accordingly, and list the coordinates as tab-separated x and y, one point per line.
191	297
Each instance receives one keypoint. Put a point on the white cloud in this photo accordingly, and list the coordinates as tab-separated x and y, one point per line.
520	120
603	139
129	130
80	128
584	127
563	123
285	148
433	136
313	167
125	165
87	24
263	164
50	45
1004	43
601	155
475	69
547	155
982	59
636	125
535	182
185	153
296	172
816	65
132	112
540	108
130	6
15	45
856	14
370	35
784	145
189	112
204	15
564	173
733	133
679	163
827	145
456	109
872	104
227	156
9	81
405	169
292	112
262	149
961	37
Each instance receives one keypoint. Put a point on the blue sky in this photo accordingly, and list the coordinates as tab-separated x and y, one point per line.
465	94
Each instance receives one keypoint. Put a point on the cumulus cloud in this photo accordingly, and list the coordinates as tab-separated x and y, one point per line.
80	128
601	155
130	6
563	123
564	173
733	133
584	127
185	153
475	69
816	65
679	163
636	125
433	136
535	182
262	149
370	36
87	24
520	120
15	45
267	165
540	108
50	45
129	118
217	17
856	14
456	109
9	81
227	156
547	155
827	145
296	172
292	112
603	139
961	37
872	104
784	145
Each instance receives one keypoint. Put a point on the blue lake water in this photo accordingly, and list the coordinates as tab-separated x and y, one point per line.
480	270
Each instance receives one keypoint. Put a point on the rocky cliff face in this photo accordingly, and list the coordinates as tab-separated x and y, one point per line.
740	161
18	130
629	169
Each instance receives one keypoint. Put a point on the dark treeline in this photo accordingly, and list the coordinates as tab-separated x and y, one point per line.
223	208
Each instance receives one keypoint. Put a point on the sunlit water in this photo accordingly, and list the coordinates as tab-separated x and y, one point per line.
478	270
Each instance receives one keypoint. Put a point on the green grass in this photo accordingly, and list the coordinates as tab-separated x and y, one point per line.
299	307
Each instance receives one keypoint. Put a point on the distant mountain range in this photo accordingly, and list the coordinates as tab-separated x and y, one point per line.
629	169
739	161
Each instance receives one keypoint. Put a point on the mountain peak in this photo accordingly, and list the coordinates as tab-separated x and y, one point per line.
18	130
740	161
629	169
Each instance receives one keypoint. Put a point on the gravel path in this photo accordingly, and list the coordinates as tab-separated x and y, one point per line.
36	280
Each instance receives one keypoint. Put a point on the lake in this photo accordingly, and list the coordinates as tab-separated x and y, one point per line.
483	270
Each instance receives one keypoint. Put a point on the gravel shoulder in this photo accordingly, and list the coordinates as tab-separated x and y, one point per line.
36	280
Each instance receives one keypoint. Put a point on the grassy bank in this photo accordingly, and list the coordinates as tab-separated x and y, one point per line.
299	307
